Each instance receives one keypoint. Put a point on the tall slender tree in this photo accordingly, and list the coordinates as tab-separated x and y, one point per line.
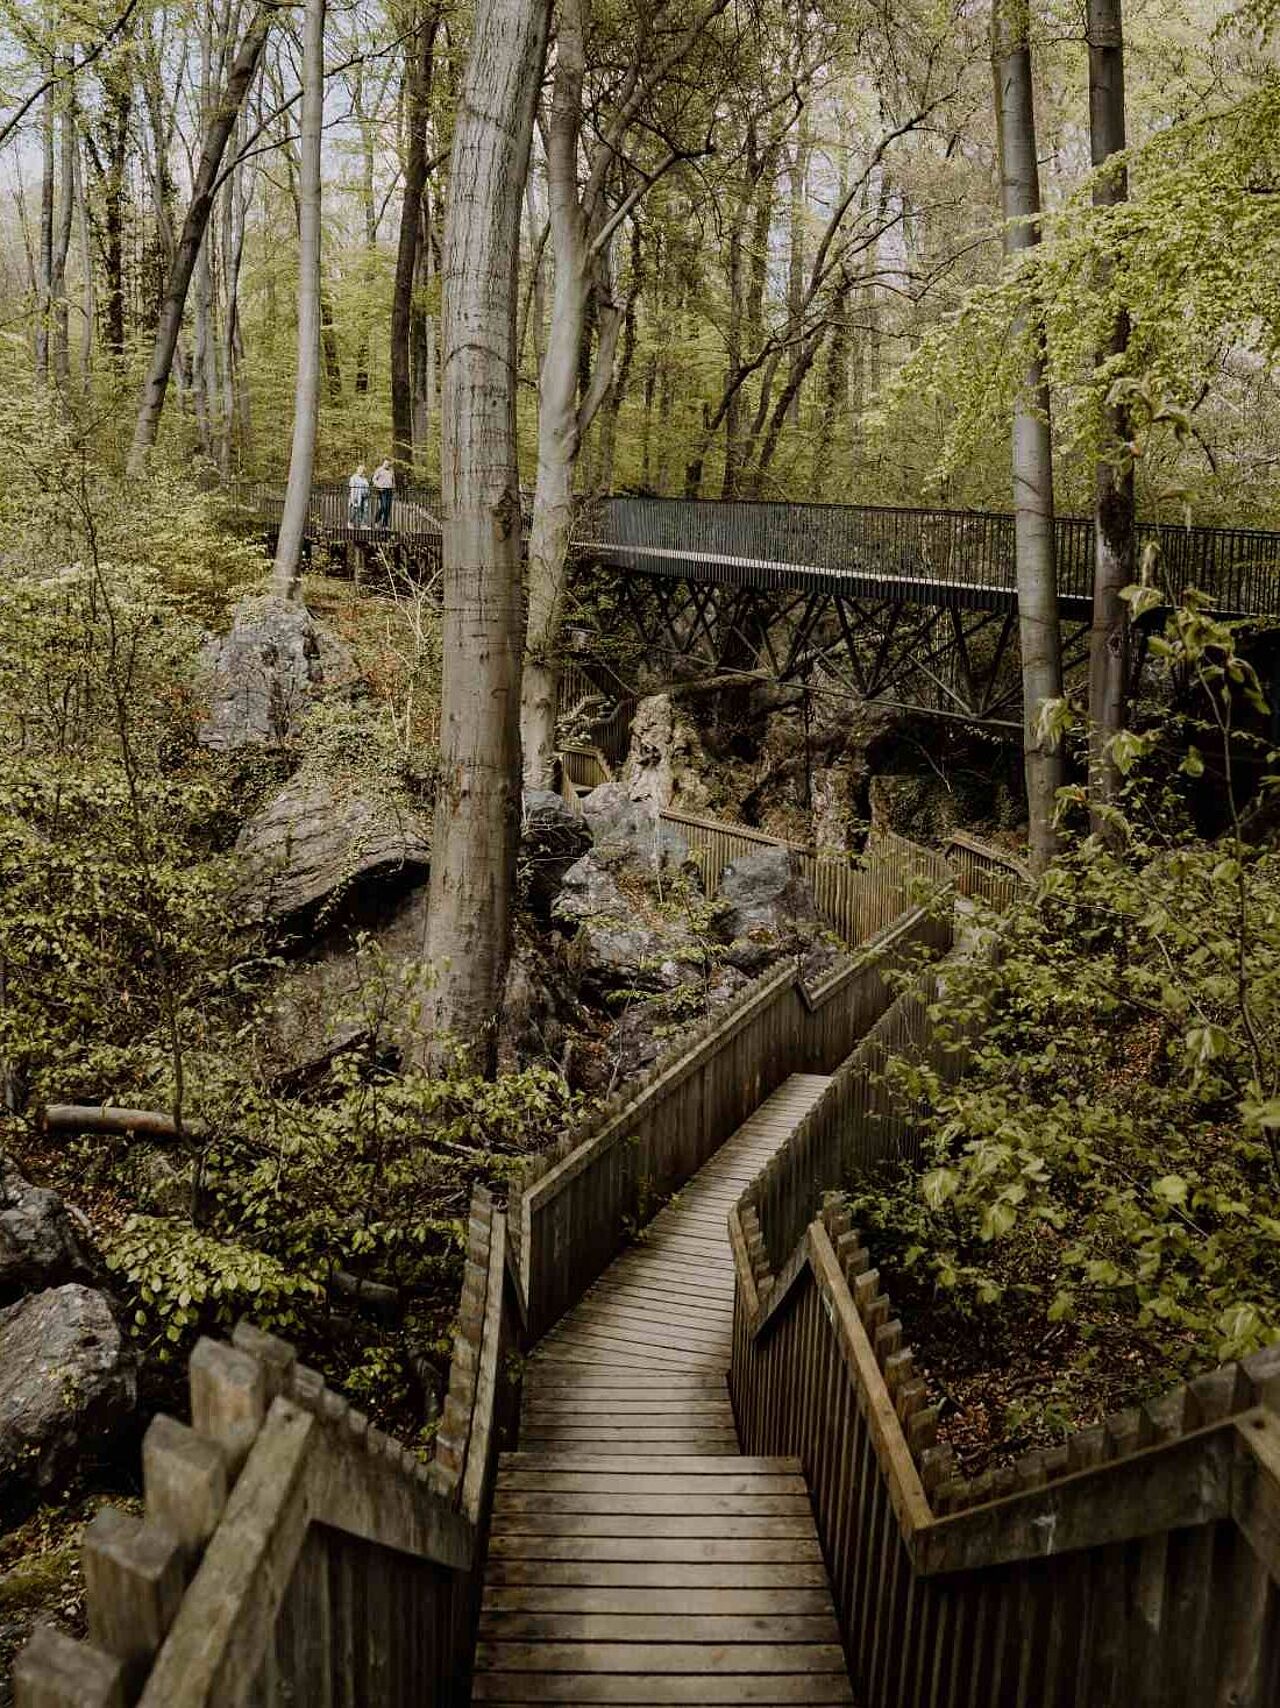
1113	567
222	120
306	395
420	62
1037	578
571	390
477	818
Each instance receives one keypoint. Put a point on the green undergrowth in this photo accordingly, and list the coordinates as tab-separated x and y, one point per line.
1098	1214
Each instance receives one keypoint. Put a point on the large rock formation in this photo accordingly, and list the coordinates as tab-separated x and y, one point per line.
264	673
552	837
665	764
767	908
616	946
318	838
41	1244
624	831
67	1380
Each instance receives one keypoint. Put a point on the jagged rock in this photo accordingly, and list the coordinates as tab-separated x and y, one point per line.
264	673
665	762
766	907
318	839
41	1244
534	1008
334	999
646	1030
67	1379
588	890
619	954
552	838
833	795
625	832
614	948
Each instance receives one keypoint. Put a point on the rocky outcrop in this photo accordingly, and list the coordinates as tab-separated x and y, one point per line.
42	1243
265	672
615	946
766	908
626	832
320	839
552	837
536	1007
665	763
67	1381
588	891
647	1030
343	995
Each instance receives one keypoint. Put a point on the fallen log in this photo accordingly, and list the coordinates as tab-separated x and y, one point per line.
107	1118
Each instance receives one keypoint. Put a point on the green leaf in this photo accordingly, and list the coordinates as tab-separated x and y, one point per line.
1171	1189
938	1185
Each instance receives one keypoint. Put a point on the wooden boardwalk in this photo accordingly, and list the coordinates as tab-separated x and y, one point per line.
635	1555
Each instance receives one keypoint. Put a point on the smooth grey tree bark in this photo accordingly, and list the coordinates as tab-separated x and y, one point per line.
582	230
61	318
221	124
1114	566
44	274
477	817
1037	579
306	391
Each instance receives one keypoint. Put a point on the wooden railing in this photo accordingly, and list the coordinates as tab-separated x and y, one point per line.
289	1553
1138	1562
859	894
578	1204
857	1123
985	873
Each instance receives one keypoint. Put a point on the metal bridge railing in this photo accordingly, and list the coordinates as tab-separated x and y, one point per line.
834	547
961	556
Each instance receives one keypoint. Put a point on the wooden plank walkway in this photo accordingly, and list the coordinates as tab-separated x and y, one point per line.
635	1555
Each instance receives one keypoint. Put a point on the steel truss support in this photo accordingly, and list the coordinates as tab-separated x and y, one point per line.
949	660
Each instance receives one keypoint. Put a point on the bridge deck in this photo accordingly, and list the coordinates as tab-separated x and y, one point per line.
939	558
635	1555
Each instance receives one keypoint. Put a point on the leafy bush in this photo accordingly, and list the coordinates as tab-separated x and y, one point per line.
181	1282
1106	1179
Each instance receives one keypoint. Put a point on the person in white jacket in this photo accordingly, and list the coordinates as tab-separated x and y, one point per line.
384	485
358	498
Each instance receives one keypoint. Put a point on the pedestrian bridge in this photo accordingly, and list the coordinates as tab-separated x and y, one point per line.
909	607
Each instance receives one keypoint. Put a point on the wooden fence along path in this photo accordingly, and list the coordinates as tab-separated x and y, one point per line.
635	1554
631	1537
290	1554
1137	1562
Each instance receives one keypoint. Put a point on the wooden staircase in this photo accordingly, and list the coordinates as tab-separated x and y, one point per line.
635	1555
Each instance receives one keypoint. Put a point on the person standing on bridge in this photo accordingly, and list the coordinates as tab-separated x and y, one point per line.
358	498
384	485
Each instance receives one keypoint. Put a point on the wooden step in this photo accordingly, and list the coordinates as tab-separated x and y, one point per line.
635	1555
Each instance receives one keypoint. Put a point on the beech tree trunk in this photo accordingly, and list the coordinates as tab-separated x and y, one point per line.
560	426
85	247
477	819
1114	566
306	394
1038	630
418	75
221	124
572	386
44	316
61	317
